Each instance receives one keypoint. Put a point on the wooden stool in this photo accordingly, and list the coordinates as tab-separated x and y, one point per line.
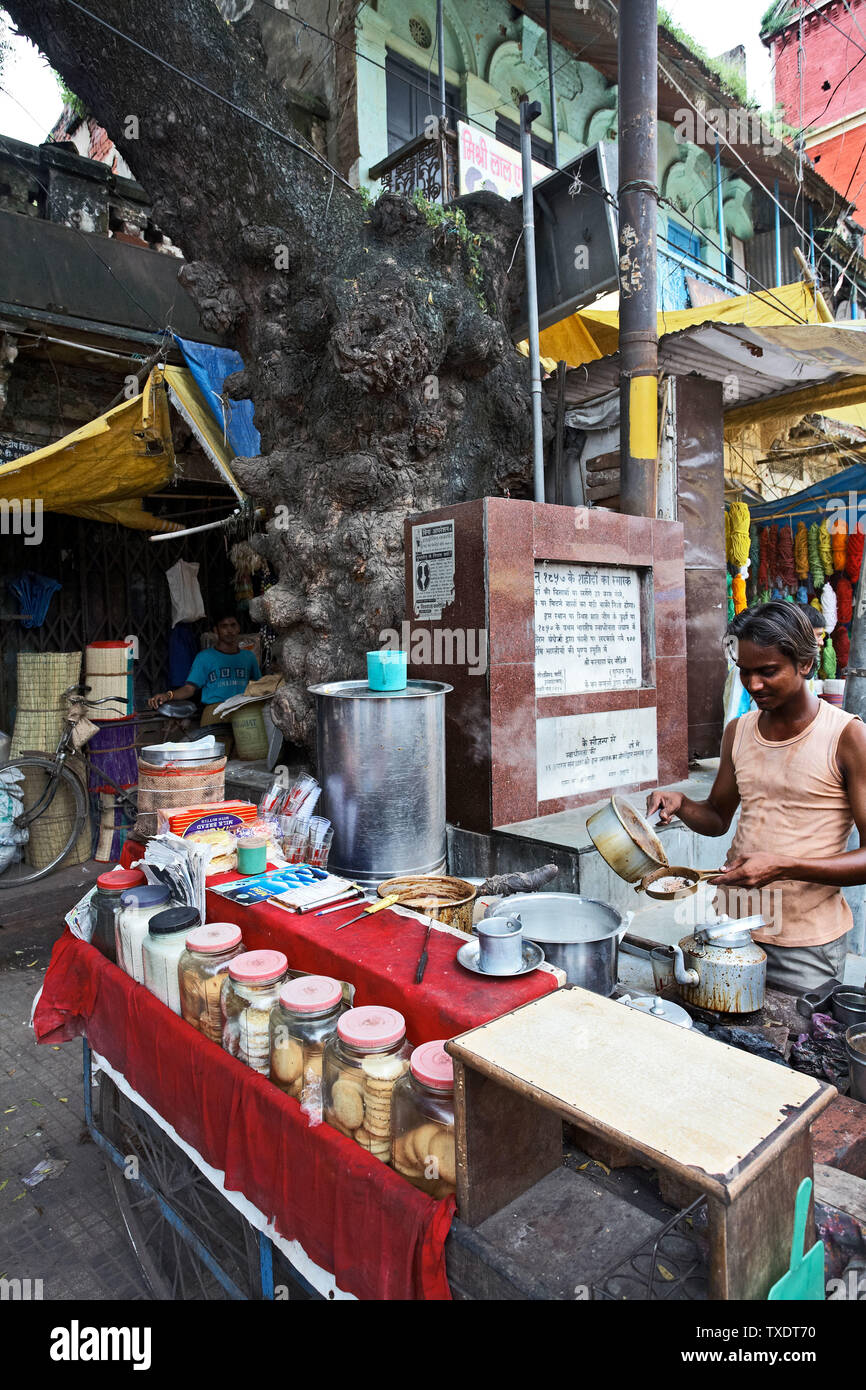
719	1120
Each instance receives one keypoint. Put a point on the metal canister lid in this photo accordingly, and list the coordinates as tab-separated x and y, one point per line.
174	919
657	1007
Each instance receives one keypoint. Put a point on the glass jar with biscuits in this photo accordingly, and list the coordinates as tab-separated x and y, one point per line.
302	1021
423	1147
251	989
201	974
363	1061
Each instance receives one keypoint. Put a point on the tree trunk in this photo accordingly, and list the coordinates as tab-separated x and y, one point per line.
382	371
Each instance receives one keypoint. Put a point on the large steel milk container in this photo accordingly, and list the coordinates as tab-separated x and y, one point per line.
382	769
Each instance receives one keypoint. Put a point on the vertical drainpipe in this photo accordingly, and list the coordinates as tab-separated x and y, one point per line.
440	48
721	210
778	236
551	78
637	99
528	113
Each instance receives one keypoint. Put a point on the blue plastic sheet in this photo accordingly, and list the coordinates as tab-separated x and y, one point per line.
210	366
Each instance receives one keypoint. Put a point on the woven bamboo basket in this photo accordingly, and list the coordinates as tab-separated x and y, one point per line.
50	831
107	666
162	788
42	678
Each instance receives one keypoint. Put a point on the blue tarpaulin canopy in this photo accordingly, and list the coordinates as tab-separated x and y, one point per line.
820	502
210	366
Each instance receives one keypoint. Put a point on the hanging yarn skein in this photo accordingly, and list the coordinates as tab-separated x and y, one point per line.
839	543
845	599
854	556
764	560
731	611
825	549
828	661
785	558
803	594
739	593
829	607
754	553
842	644
738	547
801	551
815	565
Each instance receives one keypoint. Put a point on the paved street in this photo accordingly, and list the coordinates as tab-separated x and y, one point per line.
66	1231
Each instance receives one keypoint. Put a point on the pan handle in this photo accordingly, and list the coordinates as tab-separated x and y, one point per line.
814	1000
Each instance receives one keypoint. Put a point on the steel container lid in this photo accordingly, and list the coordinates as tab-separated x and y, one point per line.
561	918
360	690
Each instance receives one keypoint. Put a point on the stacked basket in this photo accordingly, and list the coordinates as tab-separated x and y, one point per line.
42	679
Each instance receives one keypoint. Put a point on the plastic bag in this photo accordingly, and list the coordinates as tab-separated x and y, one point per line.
11	806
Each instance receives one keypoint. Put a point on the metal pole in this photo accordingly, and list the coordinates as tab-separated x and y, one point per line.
529	110
440	48
778	237
551	78
638	211
721	208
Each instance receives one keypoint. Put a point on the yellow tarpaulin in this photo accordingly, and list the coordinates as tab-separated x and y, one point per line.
589	335
113	459
102	471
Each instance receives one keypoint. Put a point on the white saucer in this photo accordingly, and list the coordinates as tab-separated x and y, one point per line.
469	957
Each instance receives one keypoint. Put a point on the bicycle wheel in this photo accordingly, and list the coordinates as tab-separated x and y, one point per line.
50	777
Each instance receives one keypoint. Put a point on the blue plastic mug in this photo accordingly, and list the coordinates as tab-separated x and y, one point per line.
386	670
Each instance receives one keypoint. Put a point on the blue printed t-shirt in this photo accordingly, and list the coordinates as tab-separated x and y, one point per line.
219	675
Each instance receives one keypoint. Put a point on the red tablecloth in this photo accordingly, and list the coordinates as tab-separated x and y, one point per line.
379	1236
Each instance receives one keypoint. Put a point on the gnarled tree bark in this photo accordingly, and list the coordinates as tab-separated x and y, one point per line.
383	376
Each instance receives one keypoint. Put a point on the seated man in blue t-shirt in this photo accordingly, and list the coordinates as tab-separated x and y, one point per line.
217	672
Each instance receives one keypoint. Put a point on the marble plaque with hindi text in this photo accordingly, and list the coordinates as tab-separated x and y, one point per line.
587	628
578	753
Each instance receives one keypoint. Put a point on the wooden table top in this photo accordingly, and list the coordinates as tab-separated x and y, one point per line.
691	1104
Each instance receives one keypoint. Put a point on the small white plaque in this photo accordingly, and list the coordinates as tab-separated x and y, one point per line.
579	753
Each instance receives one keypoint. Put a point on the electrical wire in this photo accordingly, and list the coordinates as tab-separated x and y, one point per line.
672	80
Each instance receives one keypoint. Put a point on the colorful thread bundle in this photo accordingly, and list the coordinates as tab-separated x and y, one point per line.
828	607
754	553
815	565
842	644
825	549
854	556
845	599
731	610
801	551
839	544
828	661
738	542
739	593
785	558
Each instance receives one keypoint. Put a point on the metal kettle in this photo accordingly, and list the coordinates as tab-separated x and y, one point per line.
721	968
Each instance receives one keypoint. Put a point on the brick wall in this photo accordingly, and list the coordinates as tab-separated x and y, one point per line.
829	55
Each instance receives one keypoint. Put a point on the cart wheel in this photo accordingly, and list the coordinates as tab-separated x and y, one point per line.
171	1267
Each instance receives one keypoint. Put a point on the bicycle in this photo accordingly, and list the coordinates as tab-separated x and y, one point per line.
55	768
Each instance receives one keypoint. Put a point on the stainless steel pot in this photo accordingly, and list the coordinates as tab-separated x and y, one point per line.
849	1005
855	1045
626	841
579	935
382	769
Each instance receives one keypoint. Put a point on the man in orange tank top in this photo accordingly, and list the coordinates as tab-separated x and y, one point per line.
796	767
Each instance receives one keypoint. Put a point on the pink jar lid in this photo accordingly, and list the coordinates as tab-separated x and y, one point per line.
121	878
372	1025
214	936
258	967
433	1066
311	994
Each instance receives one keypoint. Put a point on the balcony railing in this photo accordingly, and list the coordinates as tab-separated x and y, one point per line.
426	163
